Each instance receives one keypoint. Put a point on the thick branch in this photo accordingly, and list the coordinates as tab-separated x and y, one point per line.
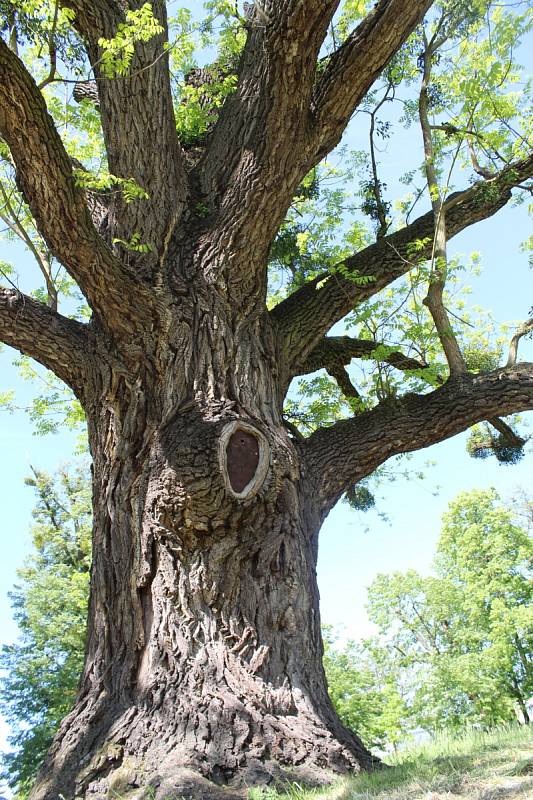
306	315
58	343
258	150
274	88
334	351
138	124
511	438
354	67
348	451
44	176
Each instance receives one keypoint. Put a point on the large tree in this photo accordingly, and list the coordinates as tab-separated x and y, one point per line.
203	656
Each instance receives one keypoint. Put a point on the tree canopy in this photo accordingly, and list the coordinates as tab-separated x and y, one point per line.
41	669
456	79
463	636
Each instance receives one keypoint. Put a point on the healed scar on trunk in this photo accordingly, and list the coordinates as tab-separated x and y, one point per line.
244	458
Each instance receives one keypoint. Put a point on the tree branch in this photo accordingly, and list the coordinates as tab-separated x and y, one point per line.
353	68
44	176
525	328
257	152
434	300
58	343
335	351
274	87
304	317
138	124
348	451
511	438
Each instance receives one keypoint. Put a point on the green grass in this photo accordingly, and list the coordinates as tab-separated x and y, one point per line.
469	766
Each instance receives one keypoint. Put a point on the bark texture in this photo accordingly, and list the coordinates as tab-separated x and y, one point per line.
204	659
204	648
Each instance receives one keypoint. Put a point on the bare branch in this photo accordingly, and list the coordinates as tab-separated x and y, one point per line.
439	258
52	50
523	330
354	67
305	316
351	449
58	343
10	217
511	438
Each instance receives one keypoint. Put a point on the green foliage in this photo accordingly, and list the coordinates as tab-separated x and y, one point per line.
462	639
118	52
134	244
42	668
198	109
53	406
36	22
364	696
476	87
483	442
105	181
360	498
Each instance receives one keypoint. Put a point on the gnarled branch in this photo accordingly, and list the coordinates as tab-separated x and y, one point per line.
523	330
335	351
341	455
58	343
305	316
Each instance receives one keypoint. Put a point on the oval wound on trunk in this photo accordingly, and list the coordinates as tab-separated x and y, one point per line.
242	459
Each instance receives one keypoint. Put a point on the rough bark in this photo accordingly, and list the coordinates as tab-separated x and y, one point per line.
136	111
203	661
66	347
353	68
351	449
45	178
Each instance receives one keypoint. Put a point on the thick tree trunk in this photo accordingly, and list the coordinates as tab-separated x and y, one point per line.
203	663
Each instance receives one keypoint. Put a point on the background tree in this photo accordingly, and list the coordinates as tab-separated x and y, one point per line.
462	639
162	201
365	692
42	669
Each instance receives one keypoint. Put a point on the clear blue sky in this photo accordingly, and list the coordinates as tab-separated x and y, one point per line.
354	546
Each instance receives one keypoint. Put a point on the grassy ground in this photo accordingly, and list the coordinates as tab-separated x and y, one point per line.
472	766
